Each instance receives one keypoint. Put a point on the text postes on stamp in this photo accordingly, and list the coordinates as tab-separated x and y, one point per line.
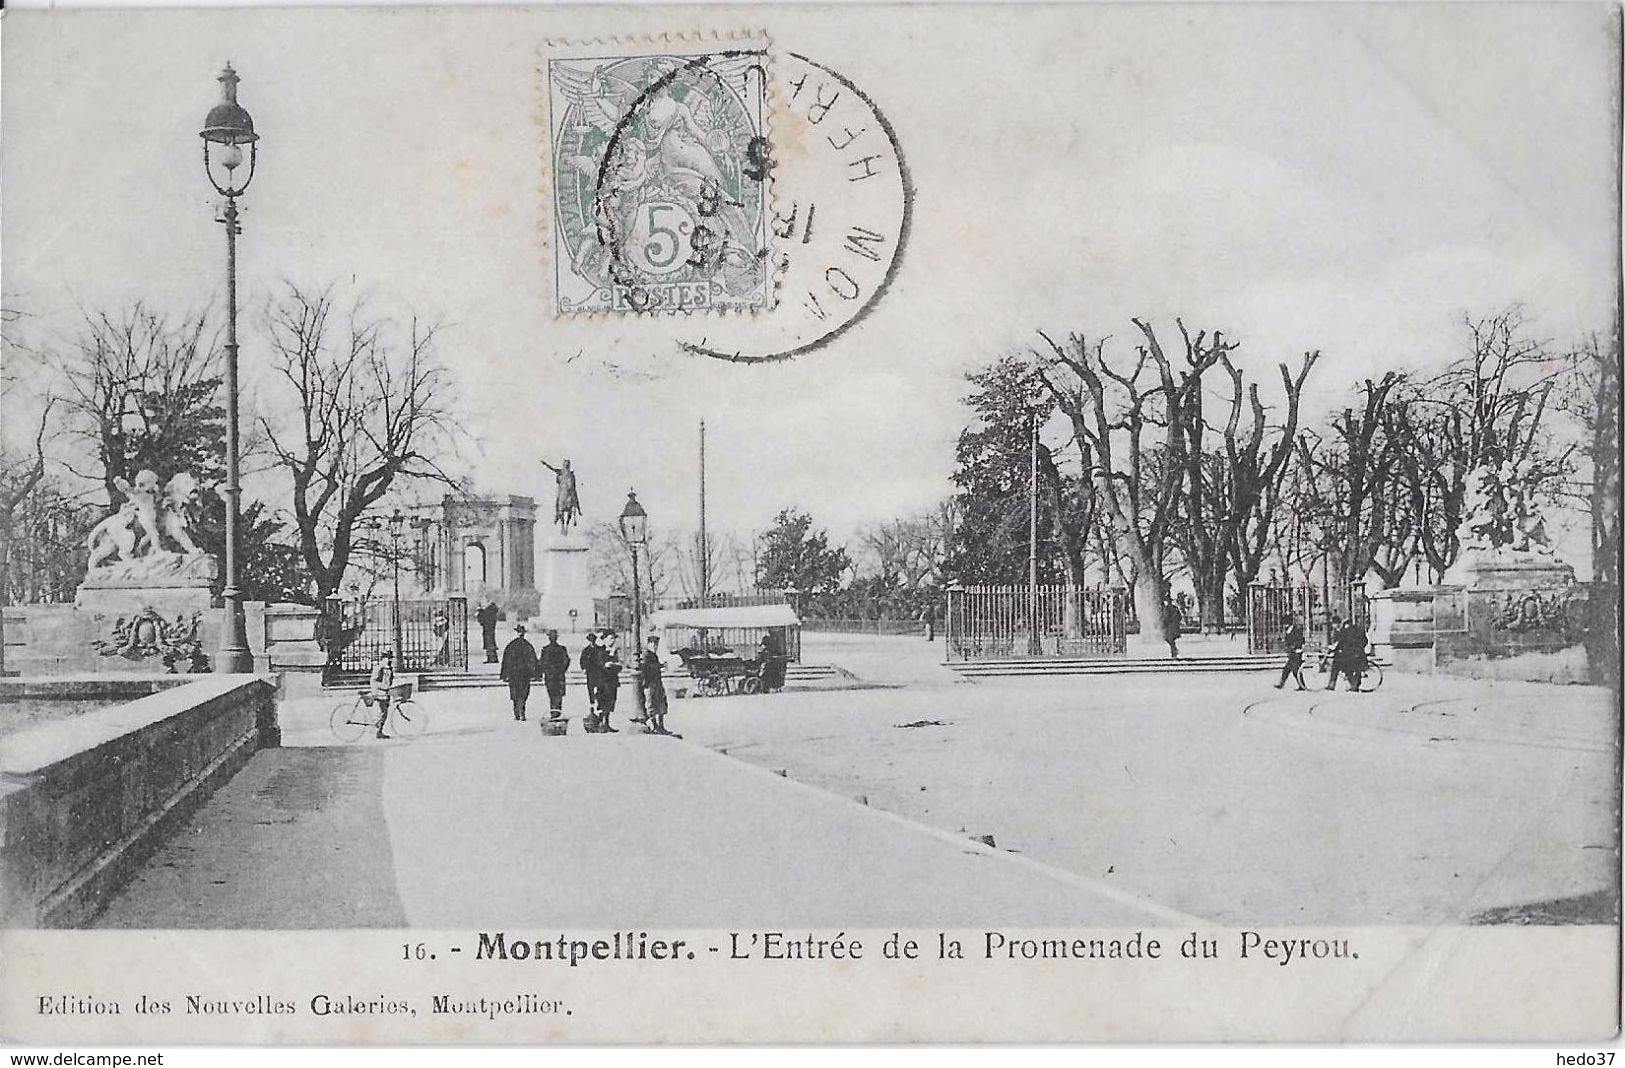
661	170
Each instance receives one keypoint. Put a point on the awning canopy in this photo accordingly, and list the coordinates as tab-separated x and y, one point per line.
761	615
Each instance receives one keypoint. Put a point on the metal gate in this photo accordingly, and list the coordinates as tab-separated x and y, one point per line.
1065	622
434	634
1314	606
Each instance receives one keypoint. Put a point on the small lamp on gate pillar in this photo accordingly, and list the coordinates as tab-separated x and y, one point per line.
226	130
635	531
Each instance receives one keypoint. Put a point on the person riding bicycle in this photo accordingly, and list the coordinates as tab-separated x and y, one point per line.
1349	655
379	686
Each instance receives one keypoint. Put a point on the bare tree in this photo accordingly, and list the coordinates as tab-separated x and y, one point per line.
1488	407
610	560
1133	419
368	404
1232	486
138	387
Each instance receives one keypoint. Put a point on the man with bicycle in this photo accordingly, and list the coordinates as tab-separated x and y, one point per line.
1348	655
379	686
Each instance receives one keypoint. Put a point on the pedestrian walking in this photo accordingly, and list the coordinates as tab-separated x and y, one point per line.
1172	620
554	660
518	668
654	688
609	680
1348	655
380	685
487	619
1293	640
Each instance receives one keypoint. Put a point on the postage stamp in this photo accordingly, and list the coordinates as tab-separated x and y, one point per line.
661	171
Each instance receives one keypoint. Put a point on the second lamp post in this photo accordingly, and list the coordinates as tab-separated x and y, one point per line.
635	531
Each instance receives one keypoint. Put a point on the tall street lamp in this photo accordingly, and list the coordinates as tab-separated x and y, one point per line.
226	130
396	521
635	530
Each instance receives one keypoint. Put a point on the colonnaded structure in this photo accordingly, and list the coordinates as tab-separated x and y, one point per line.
481	547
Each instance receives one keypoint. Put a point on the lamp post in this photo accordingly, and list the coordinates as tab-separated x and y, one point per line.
396	520
226	130
635	529
427	563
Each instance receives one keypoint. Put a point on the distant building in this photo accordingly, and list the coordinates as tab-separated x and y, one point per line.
479	547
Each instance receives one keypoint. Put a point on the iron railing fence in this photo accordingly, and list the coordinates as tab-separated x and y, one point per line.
1062	622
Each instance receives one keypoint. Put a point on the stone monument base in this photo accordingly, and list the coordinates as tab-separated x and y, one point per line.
1498	614
1503	569
170	583
566	588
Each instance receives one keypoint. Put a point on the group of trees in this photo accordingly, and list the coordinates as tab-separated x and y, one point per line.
1161	460
347	405
1172	462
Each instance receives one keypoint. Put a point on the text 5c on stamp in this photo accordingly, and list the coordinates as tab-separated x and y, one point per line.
661	171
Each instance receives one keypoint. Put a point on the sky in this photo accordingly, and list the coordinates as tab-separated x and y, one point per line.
1344	178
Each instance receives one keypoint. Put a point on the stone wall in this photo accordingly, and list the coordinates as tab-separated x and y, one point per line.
60	639
83	801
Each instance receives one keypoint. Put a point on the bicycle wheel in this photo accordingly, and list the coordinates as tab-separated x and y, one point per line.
349	721
1373	676
409	718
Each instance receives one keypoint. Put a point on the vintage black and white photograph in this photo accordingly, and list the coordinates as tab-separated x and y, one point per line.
549	502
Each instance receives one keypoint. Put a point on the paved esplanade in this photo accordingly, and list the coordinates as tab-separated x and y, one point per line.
483	821
1432	801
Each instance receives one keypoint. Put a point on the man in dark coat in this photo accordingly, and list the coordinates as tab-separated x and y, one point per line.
770	665
1293	640
555	665
592	667
609	680
1172	620
518	668
487	618
1348	655
654	688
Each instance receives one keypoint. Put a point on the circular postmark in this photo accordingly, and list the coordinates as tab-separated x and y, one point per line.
662	205
841	211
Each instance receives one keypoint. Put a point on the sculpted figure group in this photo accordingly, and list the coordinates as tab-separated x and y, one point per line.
151	516
1499	510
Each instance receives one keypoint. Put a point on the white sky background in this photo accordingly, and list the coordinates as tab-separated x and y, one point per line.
1336	177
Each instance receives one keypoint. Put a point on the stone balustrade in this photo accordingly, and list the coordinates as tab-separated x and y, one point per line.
84	800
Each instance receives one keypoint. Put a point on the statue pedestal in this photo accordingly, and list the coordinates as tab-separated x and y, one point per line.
1503	569
565	580
169	583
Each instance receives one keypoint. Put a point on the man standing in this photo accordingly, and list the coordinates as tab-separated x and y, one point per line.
591	666
1172	620
380	686
654	688
487	618
518	668
1293	639
609	681
555	665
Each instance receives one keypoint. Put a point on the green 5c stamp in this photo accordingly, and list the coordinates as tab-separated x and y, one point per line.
661	168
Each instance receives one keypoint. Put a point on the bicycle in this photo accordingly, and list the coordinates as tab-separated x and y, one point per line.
352	719
1370	672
